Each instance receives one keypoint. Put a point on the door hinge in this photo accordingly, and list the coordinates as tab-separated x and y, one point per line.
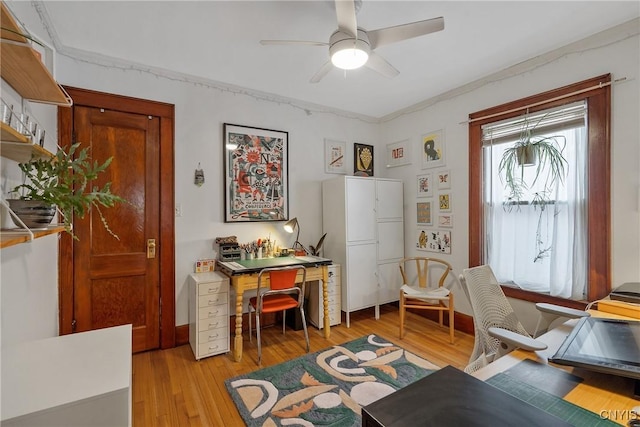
74	324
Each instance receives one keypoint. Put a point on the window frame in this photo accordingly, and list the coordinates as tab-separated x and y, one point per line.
597	93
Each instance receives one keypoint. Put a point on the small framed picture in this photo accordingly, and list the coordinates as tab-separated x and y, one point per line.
431	240
335	156
445	220
398	154
425	185
444	201
362	159
444	180
432	144
424	214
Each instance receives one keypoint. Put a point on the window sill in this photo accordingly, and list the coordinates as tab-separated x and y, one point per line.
536	297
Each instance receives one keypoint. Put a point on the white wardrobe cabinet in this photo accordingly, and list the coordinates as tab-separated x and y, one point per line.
363	219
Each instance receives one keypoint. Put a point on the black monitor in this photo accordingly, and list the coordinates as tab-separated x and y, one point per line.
610	346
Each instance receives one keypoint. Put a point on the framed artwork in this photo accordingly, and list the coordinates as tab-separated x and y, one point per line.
425	185
256	185
444	201
444	180
362	159
431	240
424	213
398	154
445	220
335	156
432	144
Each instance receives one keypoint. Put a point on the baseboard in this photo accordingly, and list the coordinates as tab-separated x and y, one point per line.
182	335
463	323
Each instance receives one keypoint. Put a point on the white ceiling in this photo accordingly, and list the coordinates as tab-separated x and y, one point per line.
219	40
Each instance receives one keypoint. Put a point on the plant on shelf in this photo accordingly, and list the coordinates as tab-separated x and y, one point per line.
63	182
545	154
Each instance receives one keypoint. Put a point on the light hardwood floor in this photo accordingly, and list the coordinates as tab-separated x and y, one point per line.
171	388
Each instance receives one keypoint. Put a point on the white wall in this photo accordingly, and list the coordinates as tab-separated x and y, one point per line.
202	108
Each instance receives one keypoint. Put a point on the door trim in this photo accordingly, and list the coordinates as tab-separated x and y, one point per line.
166	245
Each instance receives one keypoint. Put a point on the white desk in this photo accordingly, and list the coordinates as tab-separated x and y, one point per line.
82	379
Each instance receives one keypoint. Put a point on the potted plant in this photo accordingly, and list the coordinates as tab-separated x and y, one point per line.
62	182
545	154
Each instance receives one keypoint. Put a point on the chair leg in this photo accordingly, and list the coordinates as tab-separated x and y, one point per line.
250	323
304	326
402	314
451	317
284	316
259	342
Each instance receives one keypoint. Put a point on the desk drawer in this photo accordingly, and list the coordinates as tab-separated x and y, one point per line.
213	288
213	299
213	335
213	347
210	312
213	323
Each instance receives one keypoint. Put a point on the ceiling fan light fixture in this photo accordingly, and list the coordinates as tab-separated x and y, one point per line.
350	58
347	52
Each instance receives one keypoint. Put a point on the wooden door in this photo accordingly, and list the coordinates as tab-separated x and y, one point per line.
106	281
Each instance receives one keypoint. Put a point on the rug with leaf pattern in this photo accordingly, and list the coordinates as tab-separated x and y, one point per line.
327	388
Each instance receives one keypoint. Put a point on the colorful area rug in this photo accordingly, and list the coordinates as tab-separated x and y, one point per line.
327	388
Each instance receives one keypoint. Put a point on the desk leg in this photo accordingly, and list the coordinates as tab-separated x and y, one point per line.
237	341
325	301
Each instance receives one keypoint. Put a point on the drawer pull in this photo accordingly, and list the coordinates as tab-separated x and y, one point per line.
213	290
213	313
214	347
212	325
214	336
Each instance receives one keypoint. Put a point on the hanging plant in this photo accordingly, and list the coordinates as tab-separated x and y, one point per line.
545	154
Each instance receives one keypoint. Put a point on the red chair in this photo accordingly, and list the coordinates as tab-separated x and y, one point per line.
279	294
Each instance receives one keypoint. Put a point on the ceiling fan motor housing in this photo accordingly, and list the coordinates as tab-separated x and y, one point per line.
343	44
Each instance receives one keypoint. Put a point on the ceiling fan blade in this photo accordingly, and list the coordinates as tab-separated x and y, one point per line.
346	14
321	72
398	33
292	42
380	65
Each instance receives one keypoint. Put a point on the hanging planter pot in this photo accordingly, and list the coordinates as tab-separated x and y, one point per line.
527	155
33	213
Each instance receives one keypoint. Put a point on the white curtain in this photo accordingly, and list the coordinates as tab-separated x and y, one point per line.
512	248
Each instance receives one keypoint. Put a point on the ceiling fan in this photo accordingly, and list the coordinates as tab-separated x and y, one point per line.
351	47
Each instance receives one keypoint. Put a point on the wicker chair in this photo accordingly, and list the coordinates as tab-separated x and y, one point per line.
421	296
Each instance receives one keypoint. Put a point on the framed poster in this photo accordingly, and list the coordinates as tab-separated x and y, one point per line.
398	154
431	240
432	144
425	185
362	160
255	174
335	156
444	180
444	201
424	213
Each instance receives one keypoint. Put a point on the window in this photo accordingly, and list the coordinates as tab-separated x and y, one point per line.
570	239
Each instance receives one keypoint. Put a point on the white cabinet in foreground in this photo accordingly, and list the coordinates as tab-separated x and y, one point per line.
81	379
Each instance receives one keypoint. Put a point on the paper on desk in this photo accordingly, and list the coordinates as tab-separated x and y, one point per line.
232	265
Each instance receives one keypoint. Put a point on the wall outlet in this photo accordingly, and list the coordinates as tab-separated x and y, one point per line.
178	210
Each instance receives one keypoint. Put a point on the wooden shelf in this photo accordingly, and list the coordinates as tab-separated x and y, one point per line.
18	147
15	236
22	68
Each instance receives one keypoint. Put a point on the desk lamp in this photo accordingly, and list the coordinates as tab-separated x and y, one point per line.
289	226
